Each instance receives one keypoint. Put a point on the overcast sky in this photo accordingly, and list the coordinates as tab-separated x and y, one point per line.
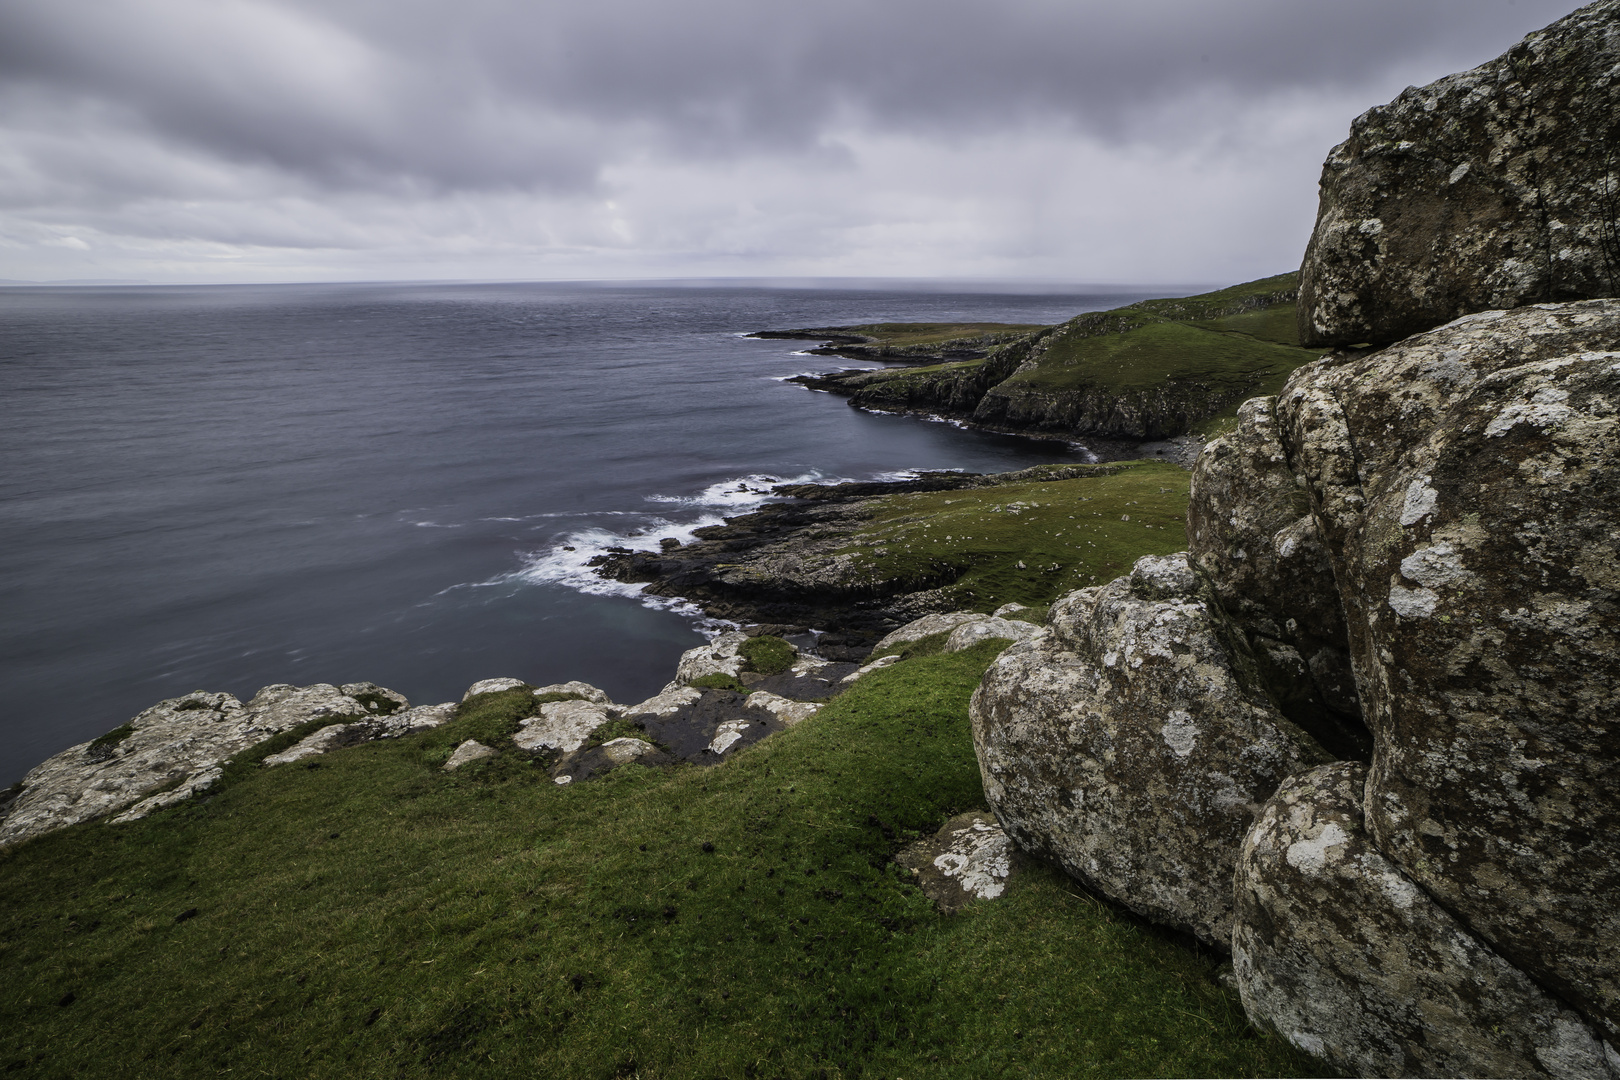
1141	141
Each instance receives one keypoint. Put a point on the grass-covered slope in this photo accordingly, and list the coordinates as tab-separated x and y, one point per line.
377	917
1028	542
1151	370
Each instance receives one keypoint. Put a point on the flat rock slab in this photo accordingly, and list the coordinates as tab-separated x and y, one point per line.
339	736
970	858
468	752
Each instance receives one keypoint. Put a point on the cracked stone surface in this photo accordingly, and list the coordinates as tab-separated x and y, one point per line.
1338	951
1463	482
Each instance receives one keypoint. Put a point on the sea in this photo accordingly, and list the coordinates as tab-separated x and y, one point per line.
223	487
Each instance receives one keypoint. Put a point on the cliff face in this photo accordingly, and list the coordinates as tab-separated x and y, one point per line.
1492	188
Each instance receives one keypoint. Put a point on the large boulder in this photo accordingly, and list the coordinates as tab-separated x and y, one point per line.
1492	188
1132	744
168	753
1251	535
1464	482
1335	949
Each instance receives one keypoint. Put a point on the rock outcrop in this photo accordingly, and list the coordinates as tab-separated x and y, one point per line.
1342	954
1463	482
1252	537
1489	189
170	752
1132	743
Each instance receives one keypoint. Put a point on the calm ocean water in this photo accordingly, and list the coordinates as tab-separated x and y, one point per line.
223	487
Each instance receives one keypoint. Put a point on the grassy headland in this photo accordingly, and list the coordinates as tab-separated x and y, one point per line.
376	916
1151	370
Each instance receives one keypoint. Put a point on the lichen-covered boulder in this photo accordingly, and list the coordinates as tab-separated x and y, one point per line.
1132	745
1465	484
339	736
1491	188
1251	534
974	631
1335	949
561	725
927	626
718	657
178	745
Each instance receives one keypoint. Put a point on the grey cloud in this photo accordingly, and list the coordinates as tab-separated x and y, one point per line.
420	96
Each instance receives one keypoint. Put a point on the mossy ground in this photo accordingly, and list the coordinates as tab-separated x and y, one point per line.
1029	542
376	916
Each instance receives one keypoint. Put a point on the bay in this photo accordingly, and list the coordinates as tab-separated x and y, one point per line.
223	487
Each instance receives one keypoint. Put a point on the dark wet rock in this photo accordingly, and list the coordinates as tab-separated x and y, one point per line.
593	761
969	858
705	727
179	746
1133	743
1338	951
1464	484
1488	189
1251	535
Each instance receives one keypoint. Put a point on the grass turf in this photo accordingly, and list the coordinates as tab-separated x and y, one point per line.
1030	542
375	916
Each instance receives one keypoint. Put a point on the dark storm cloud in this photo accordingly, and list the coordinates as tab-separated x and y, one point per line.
416	96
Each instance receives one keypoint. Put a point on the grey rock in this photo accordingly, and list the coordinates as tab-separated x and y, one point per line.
927	626
584	689
179	745
1132	745
1464	485
373	697
1337	950
338	736
1492	188
667	702
718	657
969	858
971	633
561	725
490	686
1251	534
1009	611
468	752
788	711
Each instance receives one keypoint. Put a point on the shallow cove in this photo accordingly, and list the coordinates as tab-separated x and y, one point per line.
224	487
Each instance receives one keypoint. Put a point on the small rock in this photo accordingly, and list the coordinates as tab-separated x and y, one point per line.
489	686
469	751
880	662
970	858
1007	611
584	689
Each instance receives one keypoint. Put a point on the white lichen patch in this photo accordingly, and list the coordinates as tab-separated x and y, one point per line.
1309	855
1420	501
1412	603
1436	567
979	860
1180	733
1545	409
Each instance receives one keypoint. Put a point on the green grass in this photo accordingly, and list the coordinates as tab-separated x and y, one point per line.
918	335
767	655
1158	353
974	541
375	916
